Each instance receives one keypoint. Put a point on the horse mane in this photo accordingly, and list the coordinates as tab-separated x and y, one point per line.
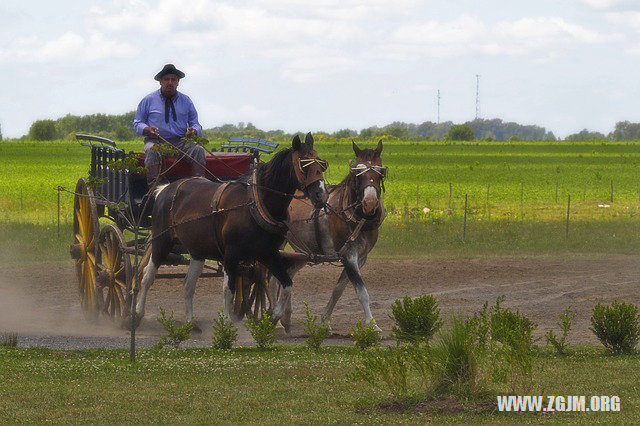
278	170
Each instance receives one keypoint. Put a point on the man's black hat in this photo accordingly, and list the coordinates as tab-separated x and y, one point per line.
169	69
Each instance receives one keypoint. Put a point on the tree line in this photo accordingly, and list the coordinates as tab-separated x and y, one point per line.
119	127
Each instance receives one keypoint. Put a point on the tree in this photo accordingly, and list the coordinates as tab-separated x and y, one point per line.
345	133
460	132
0	132
625	131
43	130
585	135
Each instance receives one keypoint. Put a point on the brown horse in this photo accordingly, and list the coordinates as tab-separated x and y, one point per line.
233	222
348	227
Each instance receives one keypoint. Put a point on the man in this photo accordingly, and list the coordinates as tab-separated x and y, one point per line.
171	115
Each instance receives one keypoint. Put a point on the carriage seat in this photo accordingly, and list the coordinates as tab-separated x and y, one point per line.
223	165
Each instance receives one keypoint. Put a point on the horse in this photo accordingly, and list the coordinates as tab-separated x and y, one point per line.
233	222
347	227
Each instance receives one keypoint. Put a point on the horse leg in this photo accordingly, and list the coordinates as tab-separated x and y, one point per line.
229	287
149	275
335	295
278	269
195	269
352	268
274	285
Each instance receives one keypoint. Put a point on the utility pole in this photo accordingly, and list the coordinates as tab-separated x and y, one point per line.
477	96
438	106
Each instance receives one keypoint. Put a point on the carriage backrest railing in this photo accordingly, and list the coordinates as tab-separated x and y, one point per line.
115	183
253	145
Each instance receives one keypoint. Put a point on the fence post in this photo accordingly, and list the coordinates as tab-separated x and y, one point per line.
612	190
568	215
521	200
488	207
58	212
464	230
450	194
417	196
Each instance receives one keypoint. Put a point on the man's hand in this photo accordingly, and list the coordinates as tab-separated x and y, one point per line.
151	131
190	132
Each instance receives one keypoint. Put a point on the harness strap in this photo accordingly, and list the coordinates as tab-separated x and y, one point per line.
260	213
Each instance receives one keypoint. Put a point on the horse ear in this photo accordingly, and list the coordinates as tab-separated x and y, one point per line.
308	140
379	148
356	150
295	143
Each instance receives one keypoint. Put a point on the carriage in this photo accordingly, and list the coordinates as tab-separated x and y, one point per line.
111	224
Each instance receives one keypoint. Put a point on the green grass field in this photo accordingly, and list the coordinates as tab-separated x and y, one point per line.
291	383
517	192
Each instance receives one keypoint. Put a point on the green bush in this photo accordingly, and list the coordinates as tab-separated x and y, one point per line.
389	366
415	319
225	333
317	332
175	335
455	364
366	336
502	325
559	343
263	331
504	338
617	326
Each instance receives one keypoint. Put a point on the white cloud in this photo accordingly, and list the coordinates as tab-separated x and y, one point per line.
69	45
629	19
602	4
469	35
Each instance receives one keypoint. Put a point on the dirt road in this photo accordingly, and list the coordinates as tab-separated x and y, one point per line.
41	301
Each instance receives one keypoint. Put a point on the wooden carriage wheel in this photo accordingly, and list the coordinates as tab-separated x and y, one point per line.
113	276
84	246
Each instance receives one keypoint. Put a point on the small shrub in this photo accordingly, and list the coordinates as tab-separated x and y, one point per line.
505	339
366	336
175	335
263	331
389	366
455	362
317	331
9	340
225	333
559	343
501	324
617	326
415	319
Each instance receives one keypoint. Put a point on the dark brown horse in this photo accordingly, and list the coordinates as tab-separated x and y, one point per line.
239	221
355	212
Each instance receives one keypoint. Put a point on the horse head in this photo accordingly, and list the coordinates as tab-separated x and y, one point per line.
369	174
309	169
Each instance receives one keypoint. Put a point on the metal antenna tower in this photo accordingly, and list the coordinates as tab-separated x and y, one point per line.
477	96
438	106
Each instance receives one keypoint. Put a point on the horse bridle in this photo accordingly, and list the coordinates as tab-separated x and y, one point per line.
360	169
303	167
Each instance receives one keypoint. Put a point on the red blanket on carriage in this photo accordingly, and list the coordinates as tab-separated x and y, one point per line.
220	164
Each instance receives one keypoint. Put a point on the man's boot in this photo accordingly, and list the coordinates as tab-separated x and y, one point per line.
197	170
154	177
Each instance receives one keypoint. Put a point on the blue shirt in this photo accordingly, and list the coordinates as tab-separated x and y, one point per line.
151	113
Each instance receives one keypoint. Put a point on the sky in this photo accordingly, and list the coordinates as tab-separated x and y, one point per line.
325	65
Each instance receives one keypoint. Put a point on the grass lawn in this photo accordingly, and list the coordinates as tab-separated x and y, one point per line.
290	384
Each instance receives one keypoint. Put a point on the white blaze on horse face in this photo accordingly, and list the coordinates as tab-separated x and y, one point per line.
370	200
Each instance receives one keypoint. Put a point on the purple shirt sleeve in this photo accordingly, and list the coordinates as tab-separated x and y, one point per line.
142	115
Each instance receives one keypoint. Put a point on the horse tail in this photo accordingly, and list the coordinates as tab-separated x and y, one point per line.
159	189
